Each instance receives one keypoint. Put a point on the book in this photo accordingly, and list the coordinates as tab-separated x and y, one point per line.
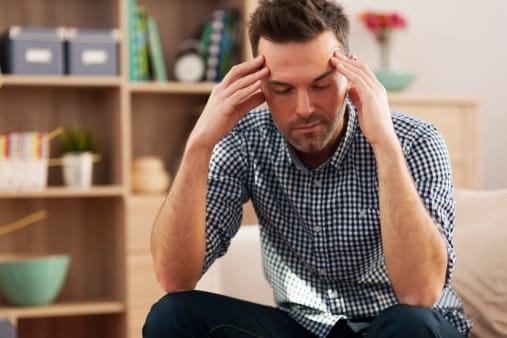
141	45
155	51
133	59
219	43
211	42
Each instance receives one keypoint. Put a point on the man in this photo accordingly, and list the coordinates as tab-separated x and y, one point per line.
354	203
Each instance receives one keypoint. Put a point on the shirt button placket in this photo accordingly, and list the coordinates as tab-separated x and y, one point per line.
332	294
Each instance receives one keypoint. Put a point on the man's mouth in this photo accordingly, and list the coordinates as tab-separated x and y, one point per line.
307	128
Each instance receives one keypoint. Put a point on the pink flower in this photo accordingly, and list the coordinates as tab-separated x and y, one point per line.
395	20
377	21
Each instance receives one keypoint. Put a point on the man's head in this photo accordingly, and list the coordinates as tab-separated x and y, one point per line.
305	94
297	21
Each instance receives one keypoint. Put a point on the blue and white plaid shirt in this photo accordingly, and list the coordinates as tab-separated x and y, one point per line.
320	228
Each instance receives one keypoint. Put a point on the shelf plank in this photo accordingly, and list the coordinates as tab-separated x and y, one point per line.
172	87
429	100
60	81
62	309
56	192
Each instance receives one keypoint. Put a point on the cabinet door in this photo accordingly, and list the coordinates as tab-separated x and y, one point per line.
143	291
457	122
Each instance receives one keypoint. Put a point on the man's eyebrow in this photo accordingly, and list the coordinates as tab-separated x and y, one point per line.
323	75
317	79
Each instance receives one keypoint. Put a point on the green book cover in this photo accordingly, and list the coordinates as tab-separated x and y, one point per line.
131	9
155	48
141	42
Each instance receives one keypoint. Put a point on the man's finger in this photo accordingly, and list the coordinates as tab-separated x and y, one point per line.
240	70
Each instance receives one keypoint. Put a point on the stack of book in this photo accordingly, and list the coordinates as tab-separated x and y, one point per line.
23	160
145	50
23	145
220	43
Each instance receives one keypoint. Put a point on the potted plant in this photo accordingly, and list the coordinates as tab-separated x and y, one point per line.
79	149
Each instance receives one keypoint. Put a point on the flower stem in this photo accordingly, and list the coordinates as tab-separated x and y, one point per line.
383	40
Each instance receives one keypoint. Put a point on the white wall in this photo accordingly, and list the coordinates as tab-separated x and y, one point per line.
456	48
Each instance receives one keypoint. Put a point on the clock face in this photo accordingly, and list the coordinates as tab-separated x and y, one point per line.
189	67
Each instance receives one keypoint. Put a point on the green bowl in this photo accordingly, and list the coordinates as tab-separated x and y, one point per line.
394	81
32	280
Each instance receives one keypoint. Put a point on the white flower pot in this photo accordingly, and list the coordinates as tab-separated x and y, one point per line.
78	169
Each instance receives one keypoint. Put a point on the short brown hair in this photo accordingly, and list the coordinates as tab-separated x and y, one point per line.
297	21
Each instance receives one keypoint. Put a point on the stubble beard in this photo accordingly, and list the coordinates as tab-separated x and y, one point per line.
314	142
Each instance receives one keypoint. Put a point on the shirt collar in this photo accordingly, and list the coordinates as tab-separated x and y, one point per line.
337	159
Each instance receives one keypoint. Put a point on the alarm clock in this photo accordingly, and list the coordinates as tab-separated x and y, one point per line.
189	65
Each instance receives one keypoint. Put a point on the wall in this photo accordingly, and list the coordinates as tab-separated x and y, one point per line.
456	49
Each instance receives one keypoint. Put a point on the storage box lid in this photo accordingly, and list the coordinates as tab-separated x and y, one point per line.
93	35
36	34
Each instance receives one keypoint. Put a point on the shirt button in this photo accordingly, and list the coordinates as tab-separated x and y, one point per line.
362	213
332	294
317	229
406	149
317	183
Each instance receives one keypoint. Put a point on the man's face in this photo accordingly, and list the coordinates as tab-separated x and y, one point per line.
304	93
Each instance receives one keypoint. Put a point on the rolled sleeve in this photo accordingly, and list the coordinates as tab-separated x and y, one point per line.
225	197
428	160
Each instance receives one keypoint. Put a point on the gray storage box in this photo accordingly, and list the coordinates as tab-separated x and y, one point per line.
7	330
92	51
26	50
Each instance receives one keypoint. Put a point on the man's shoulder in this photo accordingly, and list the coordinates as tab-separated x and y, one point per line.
410	127
255	121
254	130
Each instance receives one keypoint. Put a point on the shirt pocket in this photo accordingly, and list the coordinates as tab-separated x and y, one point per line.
355	245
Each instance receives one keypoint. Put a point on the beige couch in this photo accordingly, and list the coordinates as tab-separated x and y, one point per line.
480	277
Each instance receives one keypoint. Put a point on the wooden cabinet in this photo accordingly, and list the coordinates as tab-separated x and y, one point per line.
106	229
457	119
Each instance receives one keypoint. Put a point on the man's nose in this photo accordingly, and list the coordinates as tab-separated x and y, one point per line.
303	105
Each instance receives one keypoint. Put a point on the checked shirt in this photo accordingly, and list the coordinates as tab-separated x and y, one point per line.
320	228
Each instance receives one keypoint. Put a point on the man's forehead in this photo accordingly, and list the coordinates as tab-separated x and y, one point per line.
308	59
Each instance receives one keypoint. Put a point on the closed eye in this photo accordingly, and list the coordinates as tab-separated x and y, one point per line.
286	90
320	87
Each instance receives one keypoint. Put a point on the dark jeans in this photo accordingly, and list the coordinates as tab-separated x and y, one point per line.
198	314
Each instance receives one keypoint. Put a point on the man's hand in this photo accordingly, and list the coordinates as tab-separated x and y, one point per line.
370	98
229	101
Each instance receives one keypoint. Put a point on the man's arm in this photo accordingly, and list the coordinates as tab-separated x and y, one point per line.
178	240
414	250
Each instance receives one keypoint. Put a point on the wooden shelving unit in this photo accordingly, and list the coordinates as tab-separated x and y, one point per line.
105	229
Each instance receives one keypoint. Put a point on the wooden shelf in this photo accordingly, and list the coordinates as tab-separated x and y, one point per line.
172	87
60	81
57	192
63	309
400	98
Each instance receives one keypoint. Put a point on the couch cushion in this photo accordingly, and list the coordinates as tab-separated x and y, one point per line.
480	277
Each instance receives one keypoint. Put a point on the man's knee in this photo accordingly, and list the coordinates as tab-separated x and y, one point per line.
406	321
171	316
